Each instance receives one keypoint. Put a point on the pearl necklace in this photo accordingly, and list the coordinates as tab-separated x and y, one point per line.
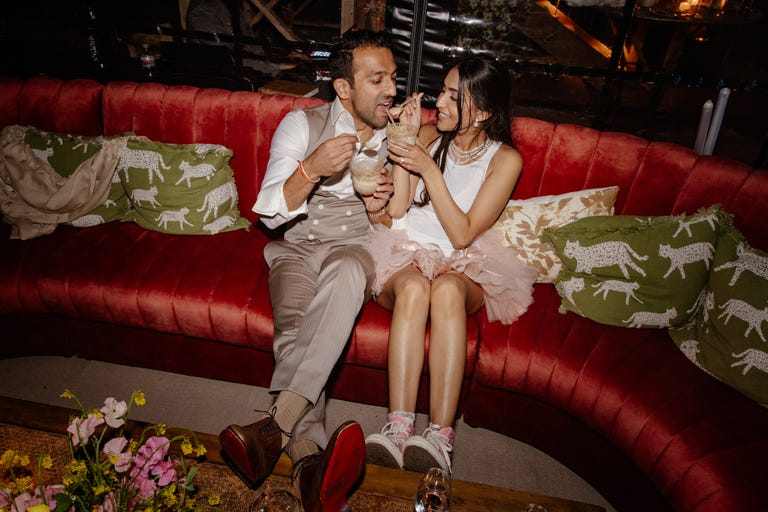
461	157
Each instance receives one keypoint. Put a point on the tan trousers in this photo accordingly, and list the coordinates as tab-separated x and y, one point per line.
317	291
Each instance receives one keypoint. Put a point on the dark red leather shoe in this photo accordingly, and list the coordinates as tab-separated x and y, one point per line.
325	479
253	450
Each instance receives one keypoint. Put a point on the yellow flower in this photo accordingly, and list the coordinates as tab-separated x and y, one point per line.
7	459
161	428
214	499
139	398
100	489
39	508
46	461
25	483
186	446
77	467
67	394
200	450
168	495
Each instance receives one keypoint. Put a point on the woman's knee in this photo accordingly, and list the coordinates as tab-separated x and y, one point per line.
449	291
412	290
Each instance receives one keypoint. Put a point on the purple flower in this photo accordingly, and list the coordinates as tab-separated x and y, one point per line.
82	429
114	412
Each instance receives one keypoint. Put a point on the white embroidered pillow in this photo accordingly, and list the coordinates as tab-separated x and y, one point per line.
522	222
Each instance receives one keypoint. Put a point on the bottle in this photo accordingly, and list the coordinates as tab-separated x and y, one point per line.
147	59
94	40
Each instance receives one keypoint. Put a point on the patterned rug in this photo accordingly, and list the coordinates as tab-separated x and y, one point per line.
213	477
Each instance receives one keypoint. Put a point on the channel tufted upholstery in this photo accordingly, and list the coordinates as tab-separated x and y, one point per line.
622	407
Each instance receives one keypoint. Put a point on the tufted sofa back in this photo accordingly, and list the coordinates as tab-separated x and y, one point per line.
655	178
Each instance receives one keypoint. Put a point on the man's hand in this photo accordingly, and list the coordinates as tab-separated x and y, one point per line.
384	189
331	157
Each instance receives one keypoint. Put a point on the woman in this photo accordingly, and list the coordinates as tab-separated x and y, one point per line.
440	262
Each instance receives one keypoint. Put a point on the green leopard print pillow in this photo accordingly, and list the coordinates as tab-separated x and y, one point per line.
636	271
181	188
728	338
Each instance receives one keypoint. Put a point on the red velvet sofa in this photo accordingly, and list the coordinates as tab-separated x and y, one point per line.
622	407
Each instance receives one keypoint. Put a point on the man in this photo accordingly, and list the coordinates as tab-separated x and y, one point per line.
320	273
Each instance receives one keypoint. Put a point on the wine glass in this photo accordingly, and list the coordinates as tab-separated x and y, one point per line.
434	492
276	501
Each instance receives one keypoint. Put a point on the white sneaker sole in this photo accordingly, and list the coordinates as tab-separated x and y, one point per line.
381	451
420	455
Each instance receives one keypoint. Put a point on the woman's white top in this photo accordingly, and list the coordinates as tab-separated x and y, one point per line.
463	182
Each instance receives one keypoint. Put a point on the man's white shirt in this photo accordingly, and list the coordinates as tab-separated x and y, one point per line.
289	145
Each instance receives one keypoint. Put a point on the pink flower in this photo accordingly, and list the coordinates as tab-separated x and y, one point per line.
51	491
114	411
165	471
114	450
147	486
115	447
24	501
108	505
151	453
82	429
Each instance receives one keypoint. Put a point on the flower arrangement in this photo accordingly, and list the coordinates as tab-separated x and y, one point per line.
109	472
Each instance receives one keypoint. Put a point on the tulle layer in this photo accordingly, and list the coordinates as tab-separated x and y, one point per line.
506	280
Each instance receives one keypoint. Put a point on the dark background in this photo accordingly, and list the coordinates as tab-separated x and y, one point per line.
554	79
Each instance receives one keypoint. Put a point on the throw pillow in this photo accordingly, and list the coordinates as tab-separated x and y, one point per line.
523	221
636	271
65	153
726	338
181	188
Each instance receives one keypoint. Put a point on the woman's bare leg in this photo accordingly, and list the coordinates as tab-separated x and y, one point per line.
453	297
406	295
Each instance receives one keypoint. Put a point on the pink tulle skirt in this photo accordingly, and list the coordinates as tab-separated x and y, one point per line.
506	280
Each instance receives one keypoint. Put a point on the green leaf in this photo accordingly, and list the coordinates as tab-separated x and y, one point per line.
63	502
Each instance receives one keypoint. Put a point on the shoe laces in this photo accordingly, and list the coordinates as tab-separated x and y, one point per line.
398	430
271	414
442	439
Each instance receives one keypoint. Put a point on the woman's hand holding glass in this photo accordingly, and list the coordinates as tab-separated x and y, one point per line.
411	157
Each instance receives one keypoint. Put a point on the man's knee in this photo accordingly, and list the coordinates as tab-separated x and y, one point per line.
352	265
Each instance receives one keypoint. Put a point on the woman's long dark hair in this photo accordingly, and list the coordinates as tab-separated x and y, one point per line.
488	84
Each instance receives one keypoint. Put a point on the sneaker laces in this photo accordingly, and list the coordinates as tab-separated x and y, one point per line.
398	430
442	439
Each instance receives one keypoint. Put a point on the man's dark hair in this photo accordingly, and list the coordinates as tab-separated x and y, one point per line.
340	61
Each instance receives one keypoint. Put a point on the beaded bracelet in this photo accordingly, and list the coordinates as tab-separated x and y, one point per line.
305	175
378	213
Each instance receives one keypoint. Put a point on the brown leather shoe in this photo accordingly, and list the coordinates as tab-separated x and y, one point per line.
253	450
326	478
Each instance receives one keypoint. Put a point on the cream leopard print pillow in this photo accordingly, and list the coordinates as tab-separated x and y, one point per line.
522	222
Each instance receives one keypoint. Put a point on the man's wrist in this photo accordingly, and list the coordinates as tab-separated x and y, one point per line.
305	175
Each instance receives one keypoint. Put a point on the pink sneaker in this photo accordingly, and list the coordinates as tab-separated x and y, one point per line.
386	448
432	449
